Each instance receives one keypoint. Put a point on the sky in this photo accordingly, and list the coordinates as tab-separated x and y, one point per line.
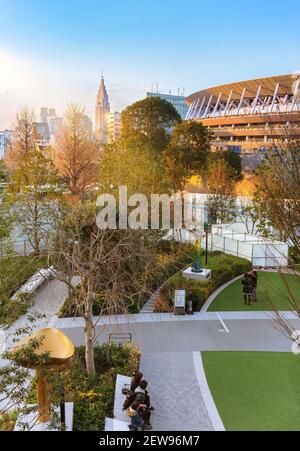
52	51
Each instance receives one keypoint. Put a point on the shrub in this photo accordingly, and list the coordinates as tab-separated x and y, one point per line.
224	268
15	271
198	296
173	257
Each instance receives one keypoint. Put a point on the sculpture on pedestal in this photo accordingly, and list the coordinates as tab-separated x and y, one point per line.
196	266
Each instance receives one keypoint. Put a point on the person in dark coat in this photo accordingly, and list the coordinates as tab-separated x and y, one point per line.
136	380
142	397
254	278
248	288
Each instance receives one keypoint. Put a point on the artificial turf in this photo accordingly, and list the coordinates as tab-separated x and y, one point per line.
255	391
272	291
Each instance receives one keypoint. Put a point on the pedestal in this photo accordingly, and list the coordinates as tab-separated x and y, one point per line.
203	276
34	425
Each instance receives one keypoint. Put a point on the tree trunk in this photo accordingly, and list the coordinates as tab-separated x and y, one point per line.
89	331
36	239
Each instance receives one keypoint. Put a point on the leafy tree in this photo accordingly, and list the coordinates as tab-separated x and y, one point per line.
221	202
150	119
34	180
135	165
187	153
235	162
3	171
75	155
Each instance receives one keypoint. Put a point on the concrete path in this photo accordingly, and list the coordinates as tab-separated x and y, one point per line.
47	301
175	392
228	331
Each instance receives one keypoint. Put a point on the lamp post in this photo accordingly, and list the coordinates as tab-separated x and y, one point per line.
207	230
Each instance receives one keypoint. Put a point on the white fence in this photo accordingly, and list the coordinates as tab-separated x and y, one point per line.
260	251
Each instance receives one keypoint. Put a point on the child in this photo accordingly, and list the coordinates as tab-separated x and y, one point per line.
135	411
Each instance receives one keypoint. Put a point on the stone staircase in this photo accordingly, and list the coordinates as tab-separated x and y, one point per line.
150	304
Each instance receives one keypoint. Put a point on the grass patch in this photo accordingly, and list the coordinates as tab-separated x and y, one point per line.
255	391
271	286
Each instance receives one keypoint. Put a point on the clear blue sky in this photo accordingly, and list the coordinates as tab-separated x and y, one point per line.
52	51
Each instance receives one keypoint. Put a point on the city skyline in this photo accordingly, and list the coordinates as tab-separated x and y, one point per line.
52	54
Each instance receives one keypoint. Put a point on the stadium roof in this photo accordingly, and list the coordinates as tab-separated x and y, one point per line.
268	86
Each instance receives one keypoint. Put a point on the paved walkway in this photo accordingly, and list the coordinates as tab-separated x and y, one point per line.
47	301
175	392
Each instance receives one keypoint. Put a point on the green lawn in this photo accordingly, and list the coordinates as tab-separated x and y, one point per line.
271	287
255	391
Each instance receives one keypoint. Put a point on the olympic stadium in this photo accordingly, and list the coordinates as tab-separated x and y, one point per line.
249	117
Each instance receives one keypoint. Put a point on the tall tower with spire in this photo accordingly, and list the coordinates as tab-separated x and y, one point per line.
102	108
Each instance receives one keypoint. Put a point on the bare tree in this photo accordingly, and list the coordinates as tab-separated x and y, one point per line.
112	267
278	198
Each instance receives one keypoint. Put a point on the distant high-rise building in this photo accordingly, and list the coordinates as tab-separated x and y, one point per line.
113	126
5	141
178	102
42	129
44	115
55	125
48	116
51	113
102	108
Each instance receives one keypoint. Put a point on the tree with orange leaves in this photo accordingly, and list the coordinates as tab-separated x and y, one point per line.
76	155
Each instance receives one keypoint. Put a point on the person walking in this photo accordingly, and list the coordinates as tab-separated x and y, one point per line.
254	278
247	288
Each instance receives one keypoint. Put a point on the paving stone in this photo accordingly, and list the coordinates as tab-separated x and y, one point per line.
175	392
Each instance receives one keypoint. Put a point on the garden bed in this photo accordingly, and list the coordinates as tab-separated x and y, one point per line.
15	271
93	396
172	258
224	268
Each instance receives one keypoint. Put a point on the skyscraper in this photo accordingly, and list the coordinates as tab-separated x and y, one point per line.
178	102
113	121
102	108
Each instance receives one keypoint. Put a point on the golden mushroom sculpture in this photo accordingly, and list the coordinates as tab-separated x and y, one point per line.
59	351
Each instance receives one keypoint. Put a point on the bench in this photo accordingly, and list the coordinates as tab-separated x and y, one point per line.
121	420
35	282
115	425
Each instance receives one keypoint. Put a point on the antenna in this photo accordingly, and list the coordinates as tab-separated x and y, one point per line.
156	88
